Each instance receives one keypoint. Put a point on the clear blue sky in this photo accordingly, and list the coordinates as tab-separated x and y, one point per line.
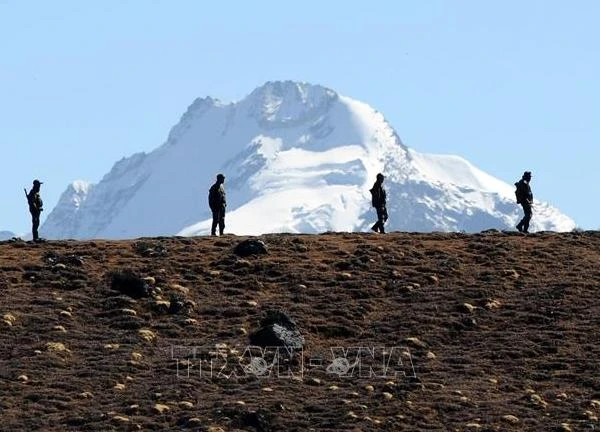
509	85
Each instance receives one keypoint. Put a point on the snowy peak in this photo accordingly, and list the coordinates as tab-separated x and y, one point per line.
63	219
297	158
78	192
201	105
285	103
192	115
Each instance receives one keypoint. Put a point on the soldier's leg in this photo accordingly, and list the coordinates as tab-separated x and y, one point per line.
527	217
522	221
377	224
222	222
384	218
215	222
35	224
381	219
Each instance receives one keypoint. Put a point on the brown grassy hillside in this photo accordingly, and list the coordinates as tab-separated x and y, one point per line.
502	331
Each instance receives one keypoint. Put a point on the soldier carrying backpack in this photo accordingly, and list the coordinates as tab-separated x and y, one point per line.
379	200
525	198
217	204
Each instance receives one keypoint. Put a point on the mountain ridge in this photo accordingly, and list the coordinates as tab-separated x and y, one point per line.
298	158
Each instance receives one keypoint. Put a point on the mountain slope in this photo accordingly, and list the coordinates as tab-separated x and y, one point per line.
298	158
487	326
64	219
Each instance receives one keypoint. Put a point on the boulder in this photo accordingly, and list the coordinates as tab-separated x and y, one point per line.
52	258
250	247
150	250
129	284
257	420
176	304
277	329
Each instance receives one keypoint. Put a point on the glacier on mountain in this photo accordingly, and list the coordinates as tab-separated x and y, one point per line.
297	158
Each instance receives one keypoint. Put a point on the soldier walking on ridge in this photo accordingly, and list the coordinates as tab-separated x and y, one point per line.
35	208
525	198
217	204
378	200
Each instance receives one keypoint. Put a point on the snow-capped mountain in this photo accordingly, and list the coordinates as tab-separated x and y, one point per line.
6	235
64	220
297	158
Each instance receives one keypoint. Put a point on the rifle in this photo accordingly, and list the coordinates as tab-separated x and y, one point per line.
29	199
35	202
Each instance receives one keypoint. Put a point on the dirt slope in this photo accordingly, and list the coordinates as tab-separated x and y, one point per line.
500	330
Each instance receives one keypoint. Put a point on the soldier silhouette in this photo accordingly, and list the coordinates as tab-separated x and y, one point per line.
379	200
35	208
525	198
217	203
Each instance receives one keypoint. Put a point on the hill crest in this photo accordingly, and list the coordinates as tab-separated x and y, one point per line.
500	329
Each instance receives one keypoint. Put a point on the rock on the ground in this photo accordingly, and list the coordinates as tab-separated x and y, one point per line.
277	329
129	284
250	247
176	304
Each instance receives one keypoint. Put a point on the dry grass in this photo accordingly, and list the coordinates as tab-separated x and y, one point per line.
502	331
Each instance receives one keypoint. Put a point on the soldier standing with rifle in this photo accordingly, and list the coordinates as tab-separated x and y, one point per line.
35	208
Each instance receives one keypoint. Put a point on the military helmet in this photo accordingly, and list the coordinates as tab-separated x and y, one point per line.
36	182
380	176
220	177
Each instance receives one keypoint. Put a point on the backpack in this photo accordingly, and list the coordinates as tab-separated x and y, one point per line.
377	196
35	201
373	197
214	199
519	191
